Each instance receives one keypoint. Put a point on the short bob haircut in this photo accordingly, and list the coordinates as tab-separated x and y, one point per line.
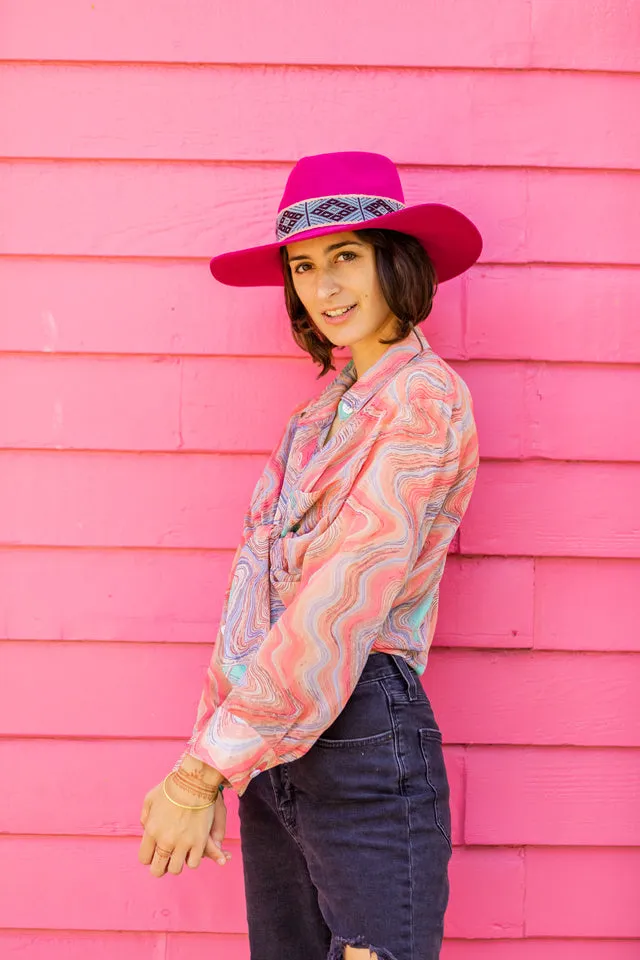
408	281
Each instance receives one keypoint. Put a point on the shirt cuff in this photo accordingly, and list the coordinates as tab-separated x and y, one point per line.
234	748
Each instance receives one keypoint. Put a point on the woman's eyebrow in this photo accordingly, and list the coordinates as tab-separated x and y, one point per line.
333	246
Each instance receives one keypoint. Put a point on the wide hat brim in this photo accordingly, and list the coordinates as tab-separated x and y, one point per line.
451	240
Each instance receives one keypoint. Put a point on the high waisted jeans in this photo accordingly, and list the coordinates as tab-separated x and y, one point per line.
351	843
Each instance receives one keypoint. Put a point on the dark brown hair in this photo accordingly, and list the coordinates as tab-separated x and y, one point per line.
407	279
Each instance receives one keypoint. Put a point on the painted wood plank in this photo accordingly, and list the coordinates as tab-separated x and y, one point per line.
555	411
499	403
117	774
199	500
187	946
586	604
605	35
196	946
236	34
104	887
536	699
153	596
482	118
50	689
487	893
558	244
486	890
105	945
517	697
552	313
583	893
124	500
140	306
81	945
553	509
61	680
172	596
94	788
175	404
557	796
156	403
101	403
486	602
164	209
124	306
535	949
77	945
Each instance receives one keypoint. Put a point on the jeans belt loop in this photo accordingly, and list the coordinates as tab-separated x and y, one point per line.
408	674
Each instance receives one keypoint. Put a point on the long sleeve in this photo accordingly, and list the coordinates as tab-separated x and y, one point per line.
309	662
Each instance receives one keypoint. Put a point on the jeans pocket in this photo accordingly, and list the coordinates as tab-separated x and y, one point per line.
365	719
436	772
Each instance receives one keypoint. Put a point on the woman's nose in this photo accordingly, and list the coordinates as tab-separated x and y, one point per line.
327	284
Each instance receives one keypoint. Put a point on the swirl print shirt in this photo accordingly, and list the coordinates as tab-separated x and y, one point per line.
347	541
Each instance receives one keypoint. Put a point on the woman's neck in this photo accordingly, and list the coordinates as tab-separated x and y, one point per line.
368	351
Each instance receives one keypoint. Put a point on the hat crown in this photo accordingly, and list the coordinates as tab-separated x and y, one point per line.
342	174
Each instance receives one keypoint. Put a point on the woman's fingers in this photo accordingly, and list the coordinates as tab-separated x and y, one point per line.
219	825
147	849
194	858
146	806
176	863
213	848
160	861
172	836
214	851
163	859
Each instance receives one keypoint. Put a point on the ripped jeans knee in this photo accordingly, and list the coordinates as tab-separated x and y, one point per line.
339	950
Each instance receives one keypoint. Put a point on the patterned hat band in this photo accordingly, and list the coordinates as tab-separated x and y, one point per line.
326	211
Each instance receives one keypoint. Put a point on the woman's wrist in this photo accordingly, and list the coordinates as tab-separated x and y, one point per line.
200	773
185	797
193	784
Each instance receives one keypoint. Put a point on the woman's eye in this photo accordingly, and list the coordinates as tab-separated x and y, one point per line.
348	254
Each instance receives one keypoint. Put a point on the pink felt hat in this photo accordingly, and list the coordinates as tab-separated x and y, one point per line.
333	192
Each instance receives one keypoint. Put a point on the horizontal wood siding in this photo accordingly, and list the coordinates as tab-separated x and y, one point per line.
136	140
537	34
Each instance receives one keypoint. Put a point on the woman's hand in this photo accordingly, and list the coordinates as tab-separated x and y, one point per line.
174	836
213	848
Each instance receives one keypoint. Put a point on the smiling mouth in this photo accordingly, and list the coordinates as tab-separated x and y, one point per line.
339	313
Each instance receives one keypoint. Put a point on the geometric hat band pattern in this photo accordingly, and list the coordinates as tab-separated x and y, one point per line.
326	211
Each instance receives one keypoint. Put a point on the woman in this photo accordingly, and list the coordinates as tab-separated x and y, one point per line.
313	710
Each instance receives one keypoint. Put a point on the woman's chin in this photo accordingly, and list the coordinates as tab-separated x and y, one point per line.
342	336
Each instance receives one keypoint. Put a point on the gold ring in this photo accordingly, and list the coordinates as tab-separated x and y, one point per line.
163	854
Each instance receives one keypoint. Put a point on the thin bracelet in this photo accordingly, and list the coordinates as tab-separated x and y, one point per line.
185	806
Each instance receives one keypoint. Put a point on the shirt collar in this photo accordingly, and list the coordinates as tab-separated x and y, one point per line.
352	393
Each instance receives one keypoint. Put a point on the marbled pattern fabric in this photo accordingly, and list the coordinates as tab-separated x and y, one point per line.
347	543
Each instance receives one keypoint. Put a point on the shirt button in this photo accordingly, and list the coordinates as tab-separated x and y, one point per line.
255	773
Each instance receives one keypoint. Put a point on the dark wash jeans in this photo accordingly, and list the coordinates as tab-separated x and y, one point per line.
351	843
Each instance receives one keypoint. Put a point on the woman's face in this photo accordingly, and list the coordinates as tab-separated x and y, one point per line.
335	272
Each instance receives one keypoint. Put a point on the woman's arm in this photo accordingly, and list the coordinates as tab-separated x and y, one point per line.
310	661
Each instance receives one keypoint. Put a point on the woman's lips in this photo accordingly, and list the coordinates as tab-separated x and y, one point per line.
342	317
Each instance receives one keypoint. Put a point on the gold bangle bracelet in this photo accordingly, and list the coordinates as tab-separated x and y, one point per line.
185	806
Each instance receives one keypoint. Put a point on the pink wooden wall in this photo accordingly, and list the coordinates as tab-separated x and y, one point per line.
136	140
